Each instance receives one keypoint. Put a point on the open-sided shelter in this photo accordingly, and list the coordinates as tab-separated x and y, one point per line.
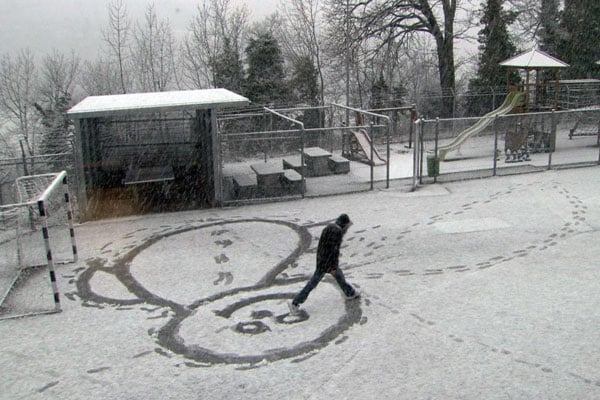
150	149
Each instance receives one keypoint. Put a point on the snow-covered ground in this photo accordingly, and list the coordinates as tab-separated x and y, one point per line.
485	289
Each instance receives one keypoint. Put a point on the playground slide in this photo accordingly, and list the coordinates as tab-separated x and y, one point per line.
364	141
514	99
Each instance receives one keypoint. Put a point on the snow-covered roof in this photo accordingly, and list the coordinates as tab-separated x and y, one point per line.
534	59
97	106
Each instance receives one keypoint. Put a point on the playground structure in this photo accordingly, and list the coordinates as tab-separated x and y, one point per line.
357	145
529	133
513	100
361	149
480	156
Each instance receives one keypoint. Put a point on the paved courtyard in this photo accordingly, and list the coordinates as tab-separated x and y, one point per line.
483	289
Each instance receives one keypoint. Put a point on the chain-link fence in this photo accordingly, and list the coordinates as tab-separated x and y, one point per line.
13	168
493	145
476	101
312	151
269	155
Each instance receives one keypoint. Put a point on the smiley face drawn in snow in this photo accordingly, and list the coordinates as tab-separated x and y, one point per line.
226	284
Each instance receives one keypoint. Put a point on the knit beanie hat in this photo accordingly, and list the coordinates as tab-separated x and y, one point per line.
343	220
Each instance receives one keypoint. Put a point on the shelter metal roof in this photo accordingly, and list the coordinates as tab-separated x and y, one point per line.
98	106
534	59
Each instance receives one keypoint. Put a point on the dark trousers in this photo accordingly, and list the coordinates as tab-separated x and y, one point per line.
316	278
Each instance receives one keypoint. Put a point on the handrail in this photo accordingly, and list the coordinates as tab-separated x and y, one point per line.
389	123
292	120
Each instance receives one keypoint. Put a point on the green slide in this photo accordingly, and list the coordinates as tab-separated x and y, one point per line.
514	99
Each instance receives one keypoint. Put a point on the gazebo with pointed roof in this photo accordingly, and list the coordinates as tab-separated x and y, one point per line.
536	60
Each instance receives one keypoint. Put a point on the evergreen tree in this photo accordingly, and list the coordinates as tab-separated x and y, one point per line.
495	46
304	89
228	69
380	93
303	85
549	26
58	75
549	32
57	128
265	82
579	44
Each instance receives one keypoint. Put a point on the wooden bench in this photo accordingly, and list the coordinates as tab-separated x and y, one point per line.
149	185
292	181
244	186
295	163
339	164
141	175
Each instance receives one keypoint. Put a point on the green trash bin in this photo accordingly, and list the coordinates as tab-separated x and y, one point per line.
433	165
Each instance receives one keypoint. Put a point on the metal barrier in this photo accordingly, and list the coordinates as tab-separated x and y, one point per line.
507	144
298	156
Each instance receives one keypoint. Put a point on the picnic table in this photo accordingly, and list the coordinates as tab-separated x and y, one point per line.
268	177
316	160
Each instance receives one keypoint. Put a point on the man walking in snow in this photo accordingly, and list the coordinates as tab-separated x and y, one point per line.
328	255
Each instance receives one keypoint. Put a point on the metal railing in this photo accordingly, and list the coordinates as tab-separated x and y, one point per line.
509	144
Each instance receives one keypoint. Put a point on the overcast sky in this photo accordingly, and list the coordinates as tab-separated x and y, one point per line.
42	25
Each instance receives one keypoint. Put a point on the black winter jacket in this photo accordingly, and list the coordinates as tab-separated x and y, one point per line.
328	251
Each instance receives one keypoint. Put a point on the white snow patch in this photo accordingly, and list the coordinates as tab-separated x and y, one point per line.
472	225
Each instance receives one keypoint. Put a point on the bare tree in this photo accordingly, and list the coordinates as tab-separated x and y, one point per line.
400	20
6	147
116	35
299	35
215	23
154	53
58	76
7	150
344	48
99	77
527	23
18	80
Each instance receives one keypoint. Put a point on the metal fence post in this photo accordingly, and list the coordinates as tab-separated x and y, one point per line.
418	124
552	141
495	145
598	142
302	169
421	153
372	133
436	161
413	119
387	166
